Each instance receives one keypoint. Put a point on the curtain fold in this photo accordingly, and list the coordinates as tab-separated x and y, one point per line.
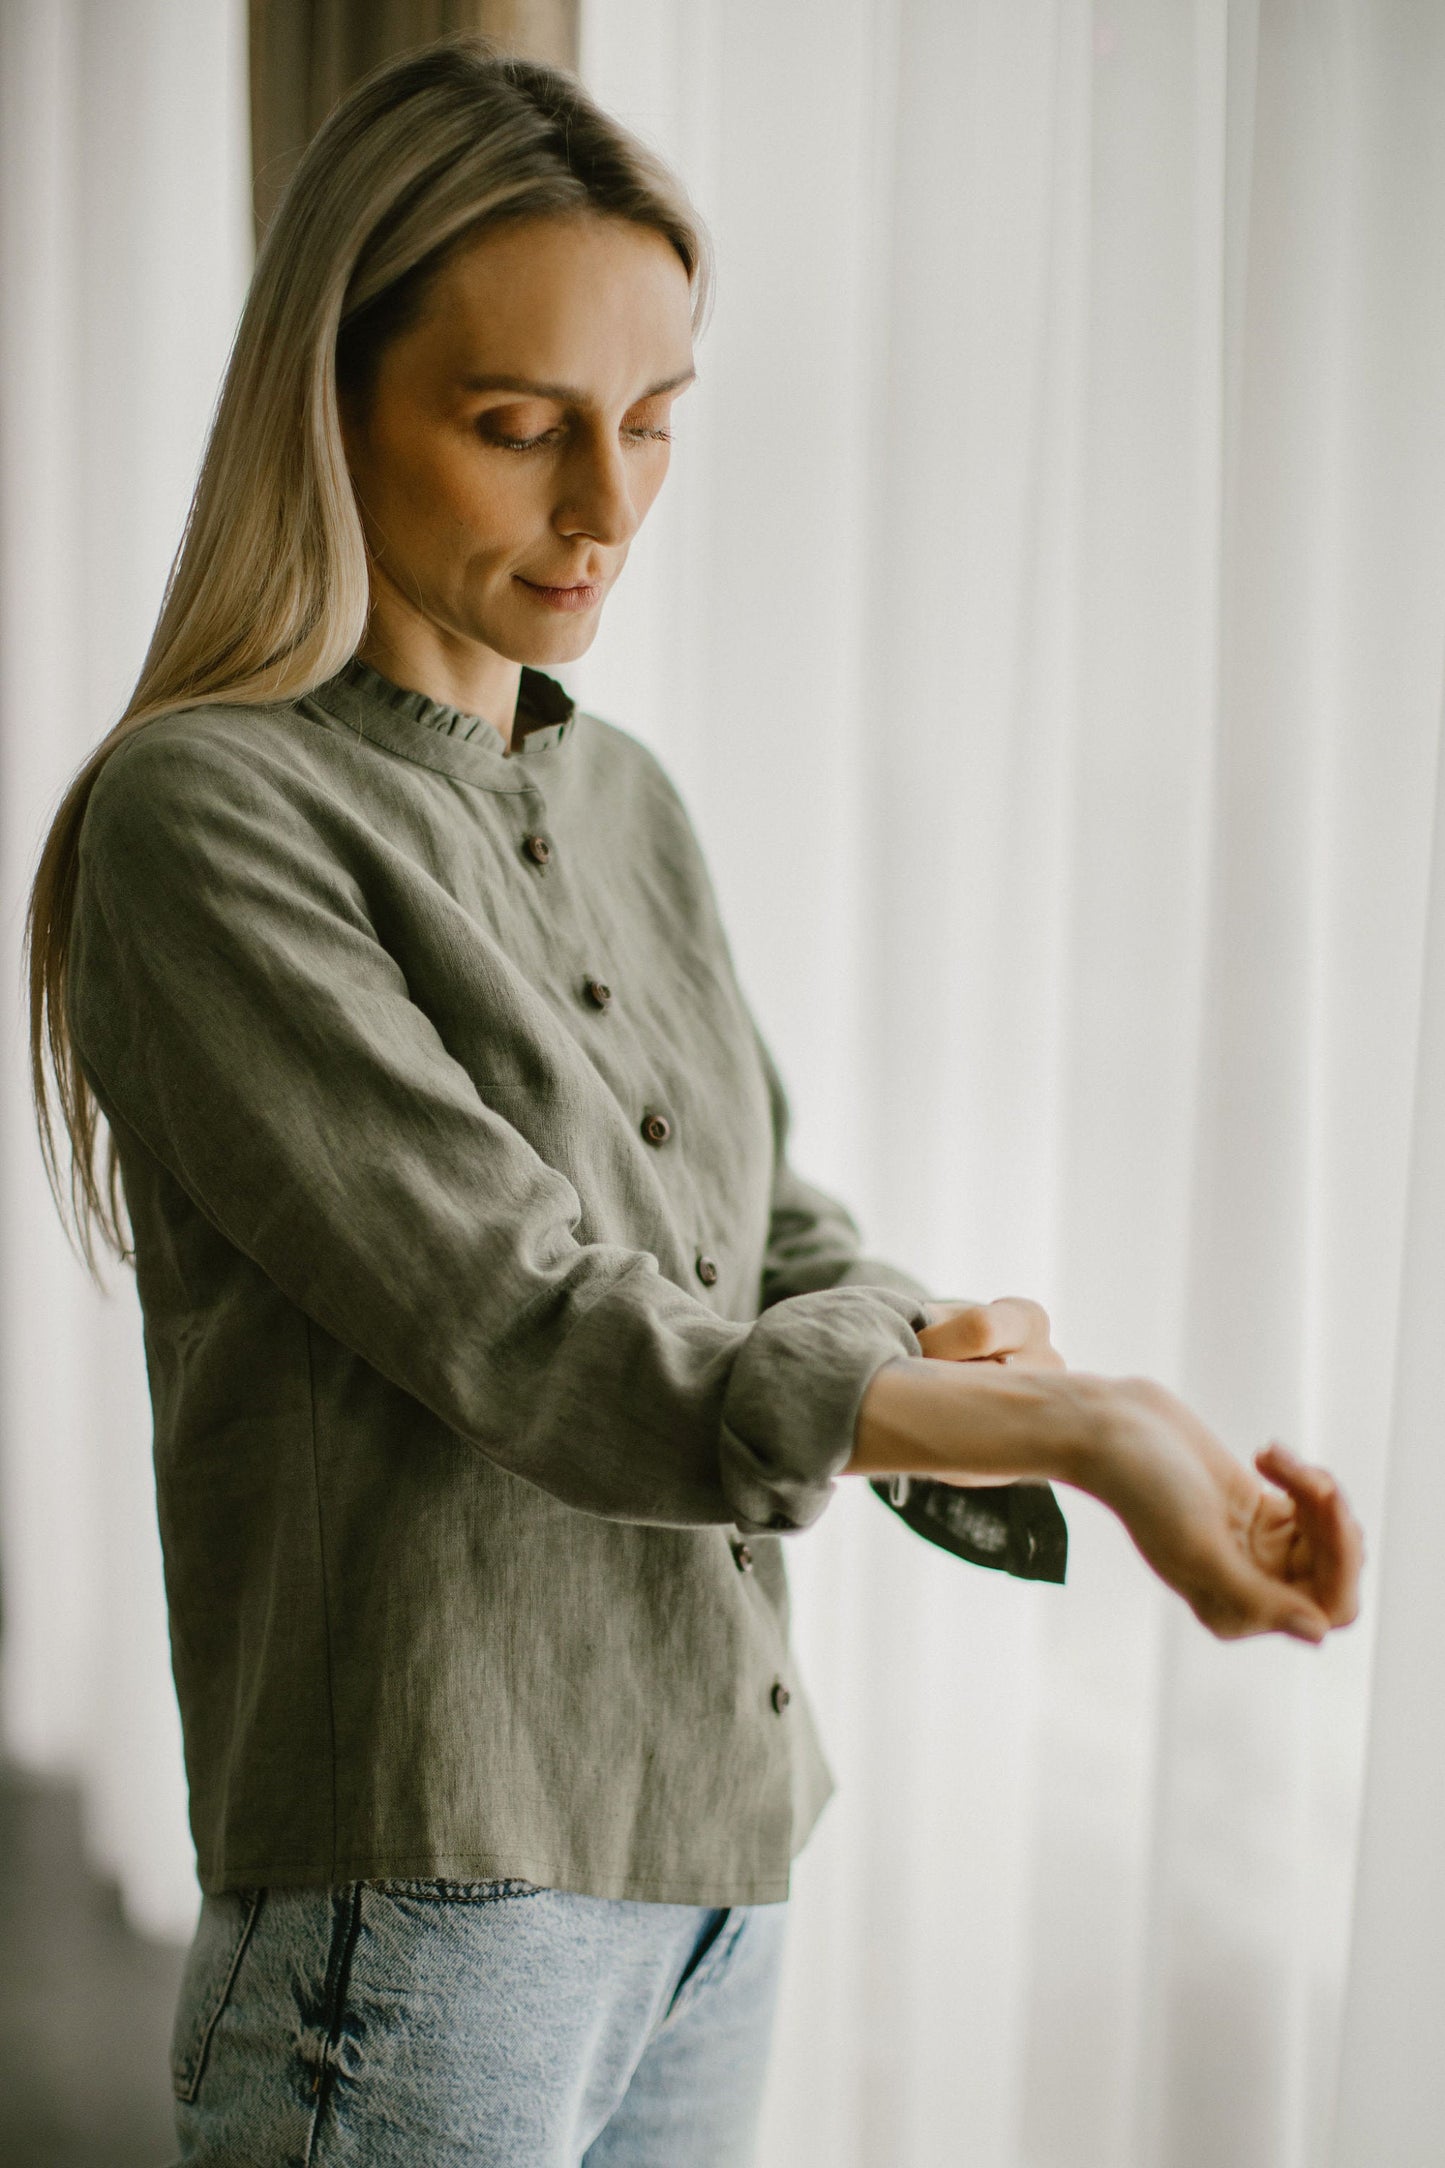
1391	2090
1059	516
125	249
1058	521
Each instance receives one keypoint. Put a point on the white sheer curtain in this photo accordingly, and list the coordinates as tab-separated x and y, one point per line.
1045	621
124	253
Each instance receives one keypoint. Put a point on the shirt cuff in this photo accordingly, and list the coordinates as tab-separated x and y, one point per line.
791	1407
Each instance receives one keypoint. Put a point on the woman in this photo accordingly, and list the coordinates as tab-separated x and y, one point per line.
493	1341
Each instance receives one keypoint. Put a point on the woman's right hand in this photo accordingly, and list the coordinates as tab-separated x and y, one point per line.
1248	1556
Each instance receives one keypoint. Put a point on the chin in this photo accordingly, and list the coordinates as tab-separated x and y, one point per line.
570	638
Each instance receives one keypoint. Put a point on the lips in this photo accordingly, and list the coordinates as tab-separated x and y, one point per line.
574	599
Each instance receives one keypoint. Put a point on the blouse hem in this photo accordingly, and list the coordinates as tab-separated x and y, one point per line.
475	1867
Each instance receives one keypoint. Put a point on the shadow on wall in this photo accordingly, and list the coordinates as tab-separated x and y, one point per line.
85	2003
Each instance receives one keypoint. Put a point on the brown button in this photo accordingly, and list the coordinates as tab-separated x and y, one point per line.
538	848
781	1697
657	1128
598	994
707	1270
743	1559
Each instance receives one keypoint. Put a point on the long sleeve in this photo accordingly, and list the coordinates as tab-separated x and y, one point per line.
234	1001
814	1241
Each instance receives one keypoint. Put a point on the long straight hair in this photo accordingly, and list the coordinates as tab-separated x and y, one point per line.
268	595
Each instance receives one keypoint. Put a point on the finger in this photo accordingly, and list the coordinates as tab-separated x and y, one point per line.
1335	1537
1012	1328
1234	1595
1237	1604
1012	1323
1323	1555
1340	1547
1296	1474
1286	1607
969	1335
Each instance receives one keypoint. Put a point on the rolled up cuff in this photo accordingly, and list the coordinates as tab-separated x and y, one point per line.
791	1407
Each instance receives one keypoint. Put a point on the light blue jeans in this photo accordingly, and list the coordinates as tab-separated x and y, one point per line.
428	2024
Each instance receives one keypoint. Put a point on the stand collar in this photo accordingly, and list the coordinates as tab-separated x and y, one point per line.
449	739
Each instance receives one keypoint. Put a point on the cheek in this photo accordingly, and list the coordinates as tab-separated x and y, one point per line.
420	475
648	487
488	502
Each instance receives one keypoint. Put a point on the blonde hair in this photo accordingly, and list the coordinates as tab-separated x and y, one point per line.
268	595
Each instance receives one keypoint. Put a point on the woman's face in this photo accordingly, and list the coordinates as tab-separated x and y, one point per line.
477	494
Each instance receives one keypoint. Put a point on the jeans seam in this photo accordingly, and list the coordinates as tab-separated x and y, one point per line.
346	1926
192	2086
325	1596
435	1889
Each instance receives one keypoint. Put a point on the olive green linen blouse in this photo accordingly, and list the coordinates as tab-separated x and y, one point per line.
492	1340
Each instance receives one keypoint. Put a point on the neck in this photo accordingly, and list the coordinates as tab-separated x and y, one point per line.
458	672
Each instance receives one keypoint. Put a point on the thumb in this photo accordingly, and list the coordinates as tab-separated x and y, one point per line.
1269	1605
1304	1622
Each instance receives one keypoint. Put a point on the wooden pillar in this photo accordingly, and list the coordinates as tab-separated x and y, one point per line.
305	53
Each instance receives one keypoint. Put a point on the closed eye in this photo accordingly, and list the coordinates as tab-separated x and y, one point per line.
531	444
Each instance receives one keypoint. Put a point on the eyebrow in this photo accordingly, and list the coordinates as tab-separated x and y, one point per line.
571	392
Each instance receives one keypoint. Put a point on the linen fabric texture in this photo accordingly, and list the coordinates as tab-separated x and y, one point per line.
493	1343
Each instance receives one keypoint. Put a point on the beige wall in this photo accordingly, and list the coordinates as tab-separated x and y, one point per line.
305	53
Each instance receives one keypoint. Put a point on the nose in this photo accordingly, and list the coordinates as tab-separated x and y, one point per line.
596	496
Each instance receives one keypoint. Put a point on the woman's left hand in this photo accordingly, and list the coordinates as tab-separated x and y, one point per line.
1012	1329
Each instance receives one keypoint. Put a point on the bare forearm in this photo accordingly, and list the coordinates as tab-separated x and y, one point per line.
982	1422
1246	1558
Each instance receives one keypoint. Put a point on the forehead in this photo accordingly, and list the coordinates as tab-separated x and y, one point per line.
579	300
